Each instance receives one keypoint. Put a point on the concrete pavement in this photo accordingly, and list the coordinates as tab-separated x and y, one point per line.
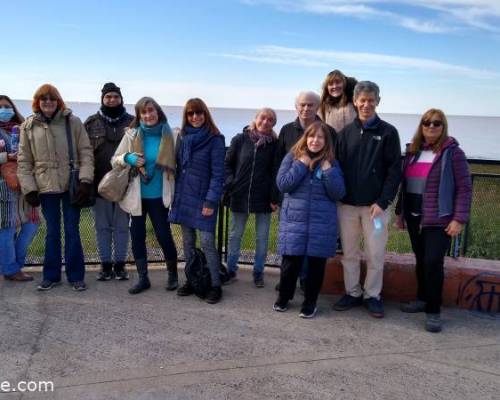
107	344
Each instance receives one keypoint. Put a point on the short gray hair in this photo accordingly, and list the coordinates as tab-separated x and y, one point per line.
367	87
308	93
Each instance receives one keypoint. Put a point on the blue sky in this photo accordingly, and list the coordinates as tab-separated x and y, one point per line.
254	53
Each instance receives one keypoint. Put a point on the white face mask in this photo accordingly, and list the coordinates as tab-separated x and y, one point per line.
6	114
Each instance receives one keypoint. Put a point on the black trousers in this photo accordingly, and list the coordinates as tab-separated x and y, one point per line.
290	270
430	246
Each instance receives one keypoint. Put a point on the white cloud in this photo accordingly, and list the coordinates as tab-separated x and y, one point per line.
452	14
323	58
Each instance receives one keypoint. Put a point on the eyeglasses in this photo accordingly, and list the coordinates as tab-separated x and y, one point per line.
48	98
436	123
192	113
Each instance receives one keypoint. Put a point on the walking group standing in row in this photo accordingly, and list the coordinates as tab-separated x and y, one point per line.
335	169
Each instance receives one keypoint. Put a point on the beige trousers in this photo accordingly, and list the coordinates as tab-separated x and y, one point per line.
354	221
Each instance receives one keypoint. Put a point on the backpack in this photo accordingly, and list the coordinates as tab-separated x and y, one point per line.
198	274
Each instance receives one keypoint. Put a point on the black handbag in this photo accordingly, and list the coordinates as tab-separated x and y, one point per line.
74	173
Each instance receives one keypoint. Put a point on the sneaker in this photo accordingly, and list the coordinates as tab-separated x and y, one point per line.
214	295
122	275
231	277
308	311
280	305
79	286
105	275
347	302
375	307
258	280
185	290
433	323
47	285
413	306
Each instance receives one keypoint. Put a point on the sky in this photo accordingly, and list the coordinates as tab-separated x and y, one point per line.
256	53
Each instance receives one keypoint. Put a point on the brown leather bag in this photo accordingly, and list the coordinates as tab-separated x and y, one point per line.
8	171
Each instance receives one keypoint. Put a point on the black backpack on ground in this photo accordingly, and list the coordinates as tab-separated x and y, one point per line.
198	274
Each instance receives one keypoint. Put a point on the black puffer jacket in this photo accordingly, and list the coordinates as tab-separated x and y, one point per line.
249	174
370	158
105	137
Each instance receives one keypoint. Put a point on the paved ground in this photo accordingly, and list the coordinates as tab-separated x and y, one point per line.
106	344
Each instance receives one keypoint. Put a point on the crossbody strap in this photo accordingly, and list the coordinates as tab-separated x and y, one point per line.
69	136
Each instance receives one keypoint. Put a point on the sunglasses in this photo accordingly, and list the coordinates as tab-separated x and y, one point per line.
48	98
435	123
192	113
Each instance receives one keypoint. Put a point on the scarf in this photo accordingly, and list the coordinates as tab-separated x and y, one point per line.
166	152
112	114
7	126
259	138
192	139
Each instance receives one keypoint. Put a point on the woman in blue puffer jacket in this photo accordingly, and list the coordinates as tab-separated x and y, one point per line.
312	182
198	189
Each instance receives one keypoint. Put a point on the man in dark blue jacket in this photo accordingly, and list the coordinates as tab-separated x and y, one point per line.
369	153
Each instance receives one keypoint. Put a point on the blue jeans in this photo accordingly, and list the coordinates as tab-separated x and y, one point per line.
111	226
207	241
238	223
73	252
14	247
158	215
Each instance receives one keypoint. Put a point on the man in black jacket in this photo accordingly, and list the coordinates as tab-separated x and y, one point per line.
369	153
106	129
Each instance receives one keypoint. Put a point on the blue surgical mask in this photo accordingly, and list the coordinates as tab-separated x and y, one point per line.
6	114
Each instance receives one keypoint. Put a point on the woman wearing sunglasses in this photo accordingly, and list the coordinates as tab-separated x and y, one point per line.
44	172
198	189
434	205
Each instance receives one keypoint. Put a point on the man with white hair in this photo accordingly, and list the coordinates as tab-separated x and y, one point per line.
369	154
307	105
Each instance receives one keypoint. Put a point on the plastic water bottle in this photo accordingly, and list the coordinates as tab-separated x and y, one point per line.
14	140
377	225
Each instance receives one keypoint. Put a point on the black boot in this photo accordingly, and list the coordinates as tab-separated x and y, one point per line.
214	295
172	281
106	272
121	273
143	283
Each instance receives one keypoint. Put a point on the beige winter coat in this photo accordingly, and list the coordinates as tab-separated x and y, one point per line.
43	159
131	203
339	117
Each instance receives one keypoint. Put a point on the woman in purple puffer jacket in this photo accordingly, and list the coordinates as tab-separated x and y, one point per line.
434	204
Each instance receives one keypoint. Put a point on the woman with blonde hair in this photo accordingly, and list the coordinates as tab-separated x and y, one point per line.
336	106
312	183
249	177
434	204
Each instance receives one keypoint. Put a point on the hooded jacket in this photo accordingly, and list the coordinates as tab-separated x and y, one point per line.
43	159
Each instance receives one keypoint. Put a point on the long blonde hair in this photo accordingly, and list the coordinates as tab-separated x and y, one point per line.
418	138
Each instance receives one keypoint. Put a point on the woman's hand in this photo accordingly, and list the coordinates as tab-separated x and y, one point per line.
207	212
454	228
140	160
12	157
305	159
326	165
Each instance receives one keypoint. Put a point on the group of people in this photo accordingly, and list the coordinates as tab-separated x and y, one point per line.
335	169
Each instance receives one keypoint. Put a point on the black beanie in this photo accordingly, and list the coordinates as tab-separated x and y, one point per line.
110	87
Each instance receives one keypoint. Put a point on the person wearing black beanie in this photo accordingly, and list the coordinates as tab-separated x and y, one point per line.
106	129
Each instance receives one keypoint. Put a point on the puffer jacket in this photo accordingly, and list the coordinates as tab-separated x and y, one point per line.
448	191
199	184
249	175
105	137
43	159
308	219
132	202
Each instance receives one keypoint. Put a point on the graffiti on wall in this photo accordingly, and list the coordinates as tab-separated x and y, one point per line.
481	293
